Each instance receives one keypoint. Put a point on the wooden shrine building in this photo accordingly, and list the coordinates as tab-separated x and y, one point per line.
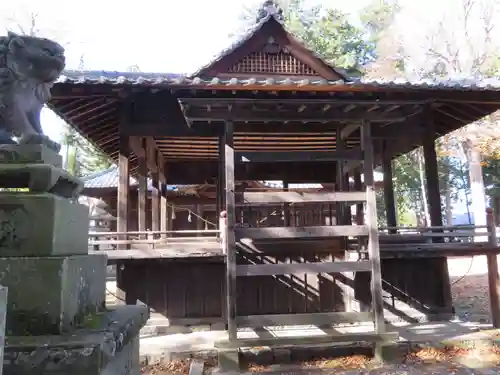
269	109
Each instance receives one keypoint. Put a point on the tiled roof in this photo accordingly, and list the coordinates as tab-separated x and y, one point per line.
108	178
180	80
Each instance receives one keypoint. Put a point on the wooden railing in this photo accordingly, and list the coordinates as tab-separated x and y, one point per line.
150	239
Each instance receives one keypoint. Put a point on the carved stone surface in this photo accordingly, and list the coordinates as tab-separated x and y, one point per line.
109	345
40	178
28	68
52	295
42	225
29	154
3	311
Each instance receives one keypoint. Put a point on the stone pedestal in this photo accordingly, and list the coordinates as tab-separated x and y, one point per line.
56	318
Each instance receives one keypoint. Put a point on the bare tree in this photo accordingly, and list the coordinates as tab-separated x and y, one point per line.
463	44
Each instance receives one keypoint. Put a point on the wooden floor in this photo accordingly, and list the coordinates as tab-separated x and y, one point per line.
213	249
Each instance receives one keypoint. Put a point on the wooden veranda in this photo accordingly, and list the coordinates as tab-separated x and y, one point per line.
269	109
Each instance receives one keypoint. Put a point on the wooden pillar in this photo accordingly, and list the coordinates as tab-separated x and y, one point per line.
164	217
371	221
389	200
434	201
200	224
493	278
142	199
358	186
286	207
155	204
230	241
123	188
432	180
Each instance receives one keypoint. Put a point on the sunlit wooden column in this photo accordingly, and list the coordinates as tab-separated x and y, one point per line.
123	188
493	277
286	207
358	186
155	204
164	217
371	221
143	191
389	199
230	240
155	198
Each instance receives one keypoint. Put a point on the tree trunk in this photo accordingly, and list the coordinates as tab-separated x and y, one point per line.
478	197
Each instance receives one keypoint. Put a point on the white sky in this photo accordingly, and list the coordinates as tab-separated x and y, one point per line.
158	36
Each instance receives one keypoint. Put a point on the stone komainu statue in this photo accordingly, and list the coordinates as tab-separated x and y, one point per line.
29	66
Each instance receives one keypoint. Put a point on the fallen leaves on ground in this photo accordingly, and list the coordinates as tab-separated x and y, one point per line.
490	354
179	367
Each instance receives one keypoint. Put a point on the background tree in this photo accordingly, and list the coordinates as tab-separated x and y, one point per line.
326	31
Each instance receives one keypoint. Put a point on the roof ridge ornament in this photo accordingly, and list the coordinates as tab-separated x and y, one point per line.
270	8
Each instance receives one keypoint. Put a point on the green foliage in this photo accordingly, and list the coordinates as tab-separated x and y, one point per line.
82	158
326	31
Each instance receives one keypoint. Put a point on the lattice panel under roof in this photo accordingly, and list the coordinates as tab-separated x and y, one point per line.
272	59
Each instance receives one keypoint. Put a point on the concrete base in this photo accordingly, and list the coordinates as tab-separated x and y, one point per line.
109	346
411	337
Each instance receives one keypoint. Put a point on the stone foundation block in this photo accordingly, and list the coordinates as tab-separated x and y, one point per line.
108	345
42	225
29	154
52	295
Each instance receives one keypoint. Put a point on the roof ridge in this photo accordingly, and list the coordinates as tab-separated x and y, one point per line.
99	173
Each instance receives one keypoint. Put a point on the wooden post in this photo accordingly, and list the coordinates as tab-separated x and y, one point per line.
142	198
230	240
286	207
358	186
493	278
389	200
164	218
123	188
200	224
434	202
155	204
371	221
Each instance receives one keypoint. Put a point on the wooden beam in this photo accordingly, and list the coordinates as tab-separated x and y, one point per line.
149	153
230	238
308	340
301	232
310	100
333	116
297	156
348	130
300	268
279	197
316	319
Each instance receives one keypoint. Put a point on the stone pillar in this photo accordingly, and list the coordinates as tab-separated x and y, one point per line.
57	290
